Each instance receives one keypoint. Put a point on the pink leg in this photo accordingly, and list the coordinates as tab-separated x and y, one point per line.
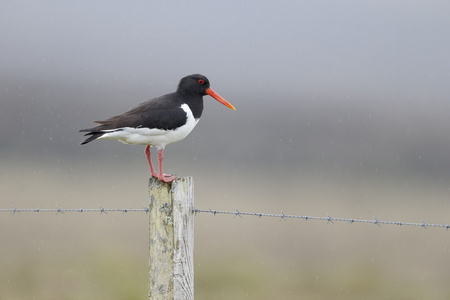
149	159
162	176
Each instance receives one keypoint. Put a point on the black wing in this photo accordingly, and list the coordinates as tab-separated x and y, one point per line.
158	113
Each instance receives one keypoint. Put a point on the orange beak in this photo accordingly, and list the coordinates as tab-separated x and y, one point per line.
216	96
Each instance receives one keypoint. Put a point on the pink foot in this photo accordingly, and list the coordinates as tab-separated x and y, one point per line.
163	177
167	177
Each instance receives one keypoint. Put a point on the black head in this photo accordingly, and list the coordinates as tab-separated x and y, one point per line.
193	84
198	85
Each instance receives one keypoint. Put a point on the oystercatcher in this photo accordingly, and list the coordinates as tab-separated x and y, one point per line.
159	121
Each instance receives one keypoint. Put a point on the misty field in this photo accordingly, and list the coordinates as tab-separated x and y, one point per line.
92	256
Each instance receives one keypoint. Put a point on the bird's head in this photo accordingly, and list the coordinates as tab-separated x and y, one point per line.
199	84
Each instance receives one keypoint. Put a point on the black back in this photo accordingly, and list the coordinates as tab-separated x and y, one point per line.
164	112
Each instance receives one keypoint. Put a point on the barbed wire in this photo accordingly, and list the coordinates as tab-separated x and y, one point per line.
329	219
58	210
236	213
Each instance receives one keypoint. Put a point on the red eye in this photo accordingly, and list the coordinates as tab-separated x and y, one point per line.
201	81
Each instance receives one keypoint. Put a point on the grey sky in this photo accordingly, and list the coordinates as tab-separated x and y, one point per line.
362	74
294	45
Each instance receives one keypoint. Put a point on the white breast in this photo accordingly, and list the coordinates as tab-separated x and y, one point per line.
154	137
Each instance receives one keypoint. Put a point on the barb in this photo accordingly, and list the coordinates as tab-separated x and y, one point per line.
328	219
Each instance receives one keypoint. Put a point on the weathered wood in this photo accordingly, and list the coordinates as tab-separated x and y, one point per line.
171	239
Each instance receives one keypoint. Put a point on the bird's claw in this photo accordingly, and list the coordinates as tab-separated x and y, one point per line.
165	177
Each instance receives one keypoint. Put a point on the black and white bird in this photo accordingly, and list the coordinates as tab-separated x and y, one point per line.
159	121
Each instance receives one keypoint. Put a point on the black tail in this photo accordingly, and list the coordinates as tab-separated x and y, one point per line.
92	133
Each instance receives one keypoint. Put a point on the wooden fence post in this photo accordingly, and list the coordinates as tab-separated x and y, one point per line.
171	239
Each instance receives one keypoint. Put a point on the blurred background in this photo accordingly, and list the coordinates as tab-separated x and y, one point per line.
342	109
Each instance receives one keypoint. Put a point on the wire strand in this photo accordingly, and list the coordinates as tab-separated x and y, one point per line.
374	221
236	213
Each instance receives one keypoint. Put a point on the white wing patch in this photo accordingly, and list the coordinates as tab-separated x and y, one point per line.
151	136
